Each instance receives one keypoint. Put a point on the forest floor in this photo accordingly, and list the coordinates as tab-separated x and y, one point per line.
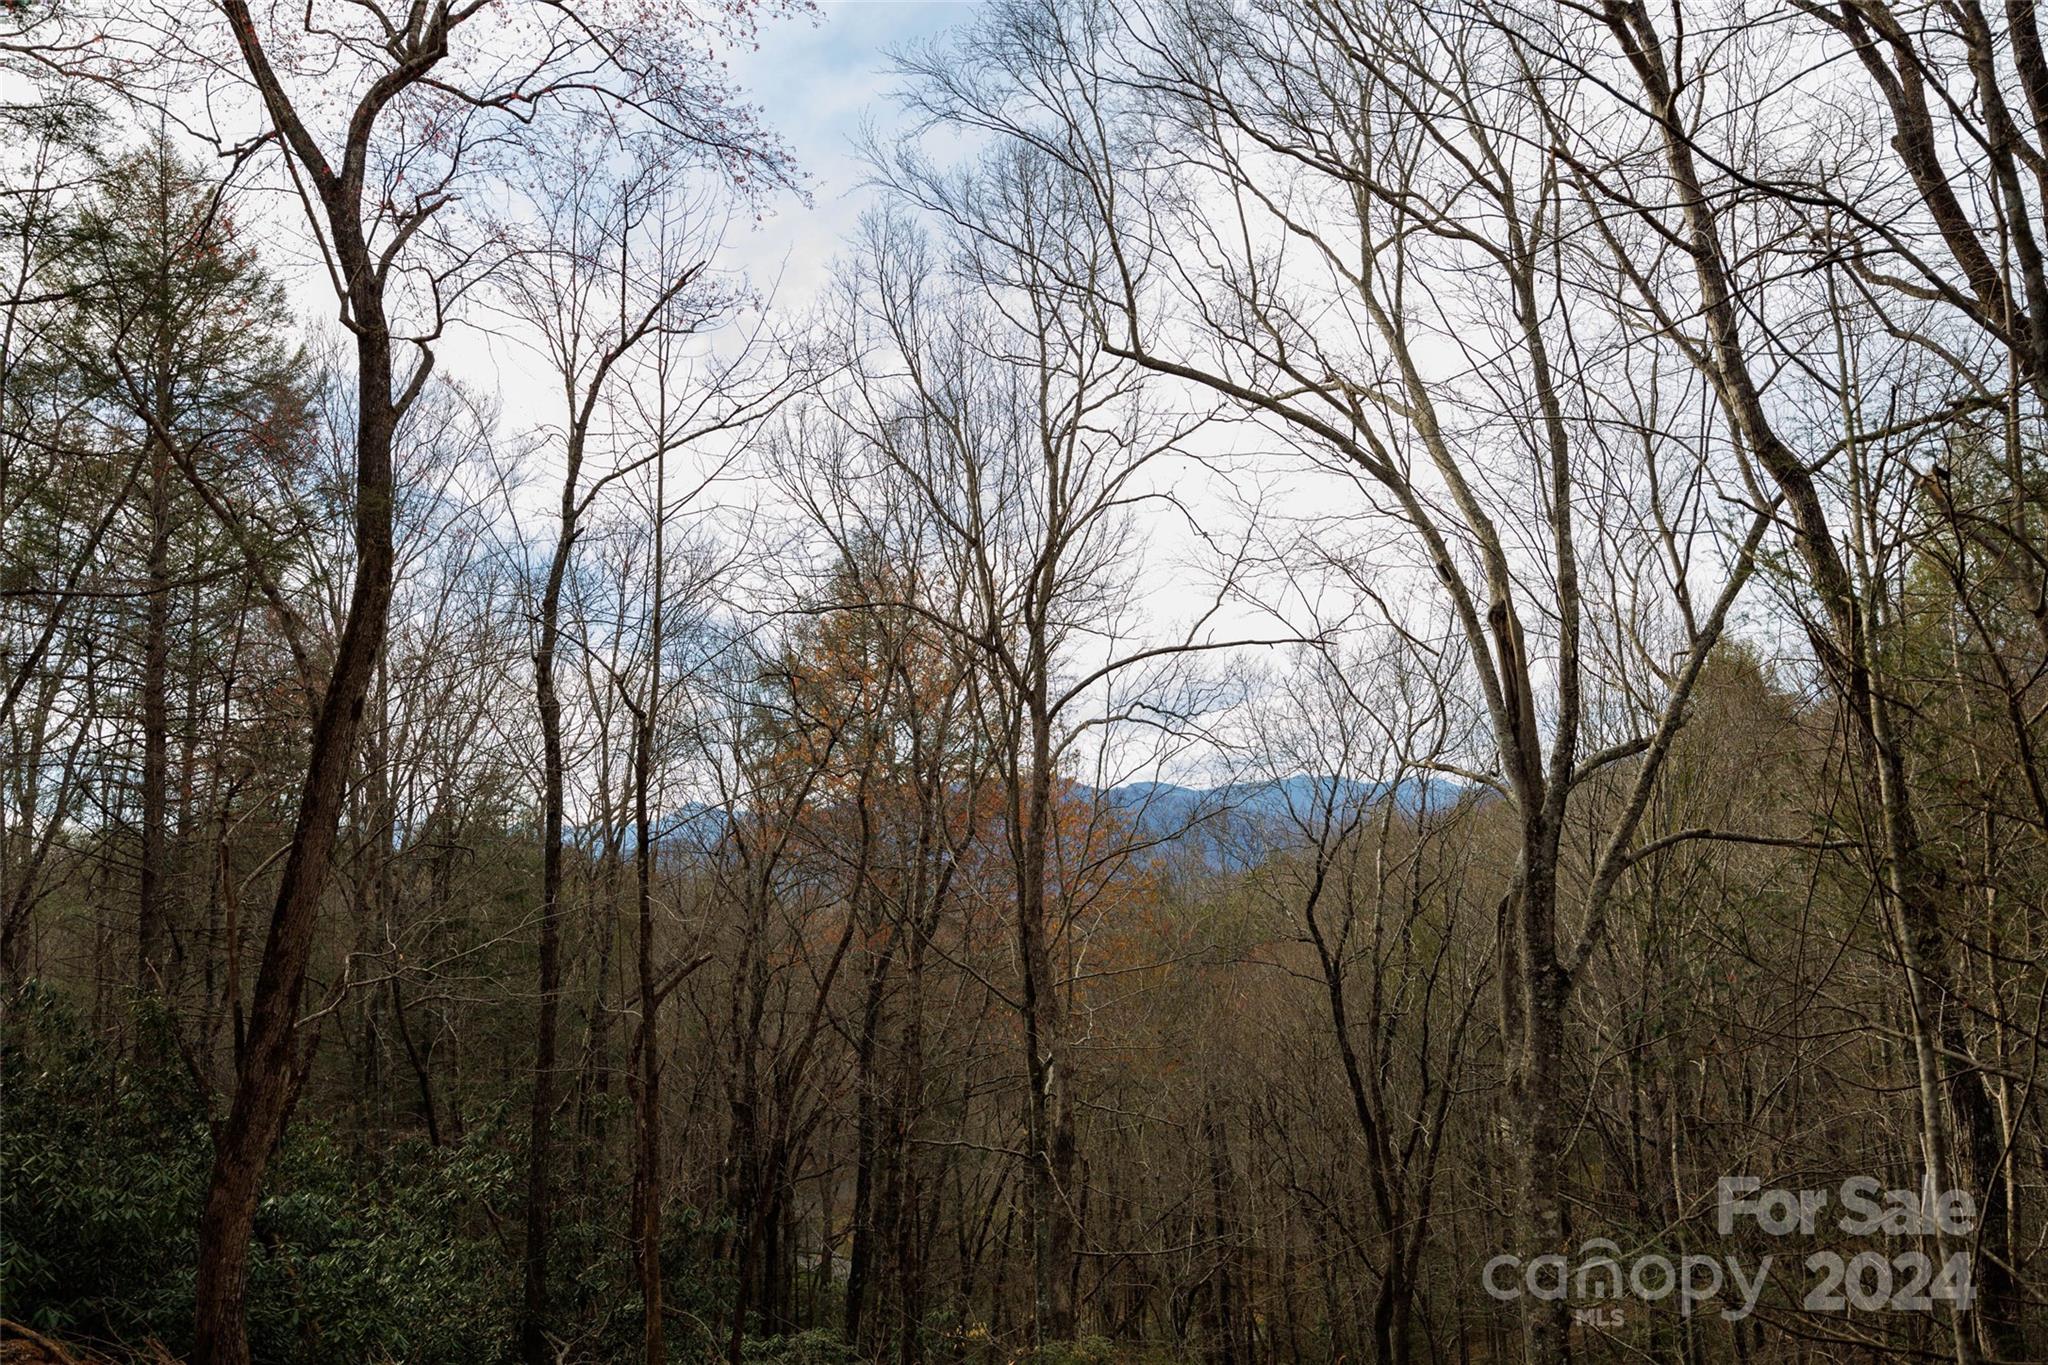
21	1345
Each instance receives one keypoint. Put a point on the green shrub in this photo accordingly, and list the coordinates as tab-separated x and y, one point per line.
356	1258
101	1172
815	1347
361	1263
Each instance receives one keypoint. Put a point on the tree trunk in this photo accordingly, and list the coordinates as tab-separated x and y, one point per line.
1050	1128
267	1078
867	1143
149	926
533	1346
647	1163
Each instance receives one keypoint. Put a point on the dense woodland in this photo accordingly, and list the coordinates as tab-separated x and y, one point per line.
1353	638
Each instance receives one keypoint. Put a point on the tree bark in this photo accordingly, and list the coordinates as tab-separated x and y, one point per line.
1050	1125
533	1347
646	1042
151	880
268	1077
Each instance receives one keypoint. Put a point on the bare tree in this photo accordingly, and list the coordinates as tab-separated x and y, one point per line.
423	108
623	265
1288	157
1843	551
1027	445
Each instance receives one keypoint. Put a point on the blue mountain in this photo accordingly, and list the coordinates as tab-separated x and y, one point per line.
1233	825
1230	826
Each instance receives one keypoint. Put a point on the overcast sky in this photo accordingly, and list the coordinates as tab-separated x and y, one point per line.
819	83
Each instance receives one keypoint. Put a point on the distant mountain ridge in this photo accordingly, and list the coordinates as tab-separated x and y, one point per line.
1230	824
1233	824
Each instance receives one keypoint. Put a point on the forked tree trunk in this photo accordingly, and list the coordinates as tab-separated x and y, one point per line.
268	1074
1913	885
